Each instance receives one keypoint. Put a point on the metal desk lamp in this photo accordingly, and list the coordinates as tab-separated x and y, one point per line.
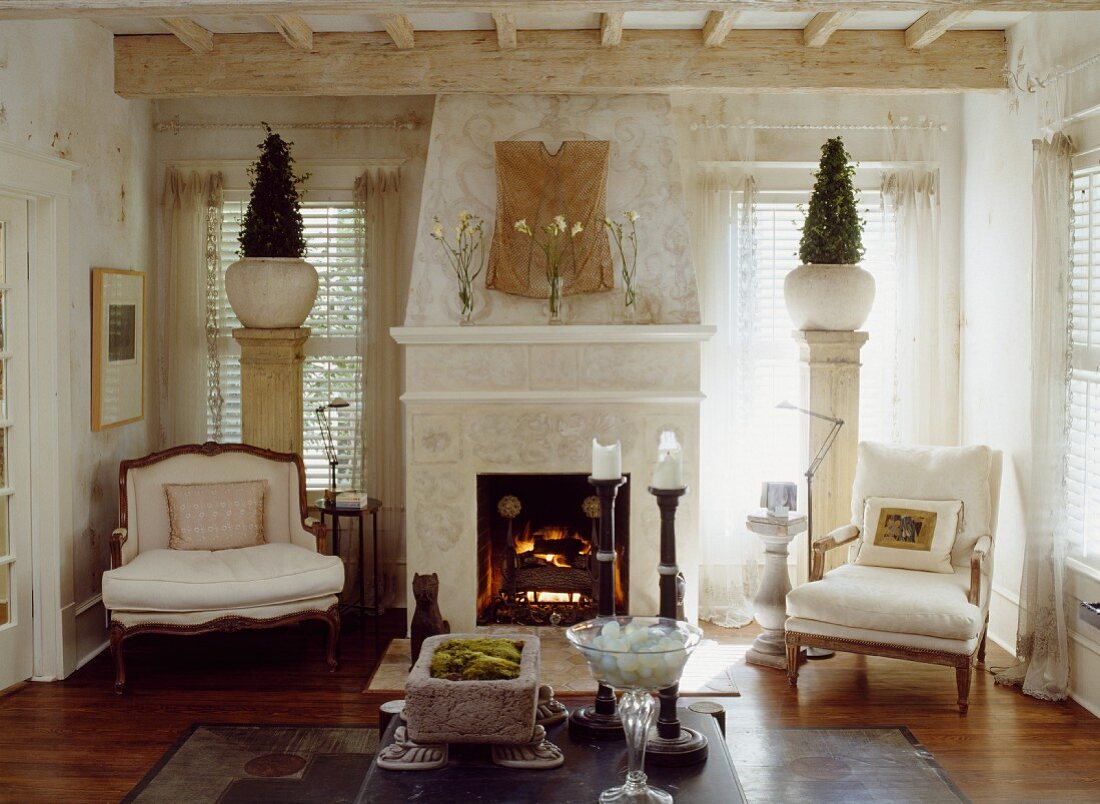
321	413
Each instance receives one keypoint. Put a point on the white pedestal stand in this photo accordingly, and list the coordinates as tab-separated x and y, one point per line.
770	604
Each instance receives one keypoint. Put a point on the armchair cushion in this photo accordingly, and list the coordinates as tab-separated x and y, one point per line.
909	534
891	600
215	516
929	473
200	580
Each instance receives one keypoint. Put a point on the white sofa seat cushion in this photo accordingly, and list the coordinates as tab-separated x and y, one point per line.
893	600
200	580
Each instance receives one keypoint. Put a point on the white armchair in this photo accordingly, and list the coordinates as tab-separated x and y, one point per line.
934	617
282	577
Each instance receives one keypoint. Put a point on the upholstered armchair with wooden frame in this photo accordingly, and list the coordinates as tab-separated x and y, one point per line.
934	617
282	579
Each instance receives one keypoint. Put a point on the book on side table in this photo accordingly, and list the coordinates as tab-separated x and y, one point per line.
352	500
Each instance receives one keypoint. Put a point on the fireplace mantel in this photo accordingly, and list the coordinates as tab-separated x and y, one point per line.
576	333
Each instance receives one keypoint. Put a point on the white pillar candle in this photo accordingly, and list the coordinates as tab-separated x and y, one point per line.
607	462
669	473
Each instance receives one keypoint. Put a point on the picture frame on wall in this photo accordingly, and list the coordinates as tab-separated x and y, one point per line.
118	347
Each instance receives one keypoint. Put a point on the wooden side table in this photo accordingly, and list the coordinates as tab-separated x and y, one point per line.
770	604
336	513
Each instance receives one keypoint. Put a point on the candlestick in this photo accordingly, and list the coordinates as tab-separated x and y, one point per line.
673	744
607	461
600	721
669	473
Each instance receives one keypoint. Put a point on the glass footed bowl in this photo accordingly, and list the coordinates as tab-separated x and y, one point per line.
635	653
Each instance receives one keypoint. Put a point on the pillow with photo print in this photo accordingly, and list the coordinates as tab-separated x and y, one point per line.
909	534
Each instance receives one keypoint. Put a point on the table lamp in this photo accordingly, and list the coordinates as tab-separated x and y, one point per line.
321	412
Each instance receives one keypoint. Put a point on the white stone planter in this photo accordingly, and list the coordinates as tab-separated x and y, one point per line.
271	292
829	297
438	710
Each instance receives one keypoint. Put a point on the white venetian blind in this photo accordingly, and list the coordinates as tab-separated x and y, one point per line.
331	366
1083	463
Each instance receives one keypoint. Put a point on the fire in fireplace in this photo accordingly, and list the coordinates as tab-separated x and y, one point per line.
537	539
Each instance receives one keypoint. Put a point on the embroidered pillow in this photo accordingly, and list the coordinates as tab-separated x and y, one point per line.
215	516
909	534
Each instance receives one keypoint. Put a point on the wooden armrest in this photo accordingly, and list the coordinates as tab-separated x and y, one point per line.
319	531
838	538
118	538
977	559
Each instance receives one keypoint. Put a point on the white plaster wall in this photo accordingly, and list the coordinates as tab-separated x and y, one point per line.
997	243
57	97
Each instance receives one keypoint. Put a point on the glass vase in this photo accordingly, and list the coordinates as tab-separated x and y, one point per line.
466	302
554	306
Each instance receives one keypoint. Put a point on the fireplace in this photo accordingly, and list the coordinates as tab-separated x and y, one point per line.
536	548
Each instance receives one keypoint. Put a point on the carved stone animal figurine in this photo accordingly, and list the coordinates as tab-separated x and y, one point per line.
426	621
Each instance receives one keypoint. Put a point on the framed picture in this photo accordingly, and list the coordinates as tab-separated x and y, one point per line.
118	347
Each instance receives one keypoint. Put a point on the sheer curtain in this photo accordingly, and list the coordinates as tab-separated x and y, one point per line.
1042	640
381	431
926	377
188	311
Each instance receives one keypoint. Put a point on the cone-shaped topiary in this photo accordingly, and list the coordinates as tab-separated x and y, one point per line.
833	231
272	224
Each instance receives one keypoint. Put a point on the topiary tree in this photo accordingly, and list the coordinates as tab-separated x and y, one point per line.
272	224
833	231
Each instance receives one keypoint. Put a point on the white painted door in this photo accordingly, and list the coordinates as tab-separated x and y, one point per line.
16	630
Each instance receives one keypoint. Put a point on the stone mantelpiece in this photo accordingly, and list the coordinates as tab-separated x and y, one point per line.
530	399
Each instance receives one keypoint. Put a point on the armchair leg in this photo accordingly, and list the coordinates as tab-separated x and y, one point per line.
332	619
981	645
963	675
792	665
116	636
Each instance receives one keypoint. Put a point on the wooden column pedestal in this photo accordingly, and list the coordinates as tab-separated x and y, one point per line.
830	385
271	387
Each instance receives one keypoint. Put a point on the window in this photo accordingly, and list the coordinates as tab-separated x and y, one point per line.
1083	464
332	367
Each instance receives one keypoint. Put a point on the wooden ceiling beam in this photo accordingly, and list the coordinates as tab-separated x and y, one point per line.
59	9
611	28
294	30
931	27
505	22
818	31
189	32
364	63
400	30
717	27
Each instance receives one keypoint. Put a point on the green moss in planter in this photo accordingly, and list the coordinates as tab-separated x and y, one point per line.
483	659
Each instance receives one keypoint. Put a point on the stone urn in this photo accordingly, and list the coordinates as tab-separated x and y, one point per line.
271	292
829	297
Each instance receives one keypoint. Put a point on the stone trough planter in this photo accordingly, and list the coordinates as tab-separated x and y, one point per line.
503	714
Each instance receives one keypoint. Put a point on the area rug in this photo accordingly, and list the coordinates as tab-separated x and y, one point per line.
563	668
837	765
233	764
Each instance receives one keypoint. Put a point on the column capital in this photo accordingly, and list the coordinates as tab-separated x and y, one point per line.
829	346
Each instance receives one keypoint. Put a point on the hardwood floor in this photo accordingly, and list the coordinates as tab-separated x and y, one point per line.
77	741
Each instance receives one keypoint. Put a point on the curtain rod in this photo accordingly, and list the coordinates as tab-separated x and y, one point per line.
924	125
1031	84
397	123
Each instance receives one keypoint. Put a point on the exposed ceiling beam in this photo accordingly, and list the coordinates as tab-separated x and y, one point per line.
400	30
364	63
931	27
294	30
717	27
190	33
505	22
53	9
824	25
611	28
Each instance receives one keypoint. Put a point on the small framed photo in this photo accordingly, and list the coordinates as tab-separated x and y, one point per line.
118	347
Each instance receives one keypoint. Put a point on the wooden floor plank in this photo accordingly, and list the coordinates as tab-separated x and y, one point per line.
76	741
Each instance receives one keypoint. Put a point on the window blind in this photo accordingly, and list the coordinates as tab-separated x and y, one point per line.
332	365
1083	458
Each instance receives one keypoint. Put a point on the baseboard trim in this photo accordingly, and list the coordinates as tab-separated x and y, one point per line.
90	603
91	655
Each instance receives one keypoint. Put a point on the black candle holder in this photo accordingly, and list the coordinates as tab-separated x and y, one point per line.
600	720
673	744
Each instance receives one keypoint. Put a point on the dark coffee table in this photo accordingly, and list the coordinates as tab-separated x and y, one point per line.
589	769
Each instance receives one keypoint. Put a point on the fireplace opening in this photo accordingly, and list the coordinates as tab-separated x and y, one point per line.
536	548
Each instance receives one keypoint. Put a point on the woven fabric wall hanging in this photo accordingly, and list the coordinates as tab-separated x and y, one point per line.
536	185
